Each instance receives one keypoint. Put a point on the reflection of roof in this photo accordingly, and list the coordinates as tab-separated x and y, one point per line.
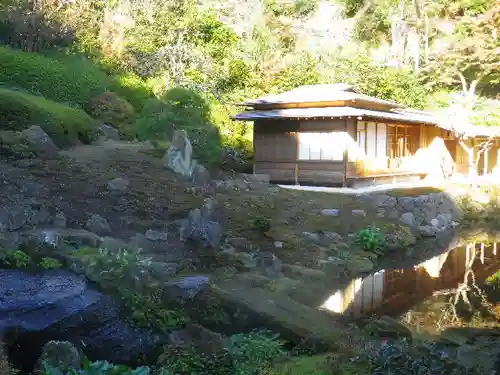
298	113
320	93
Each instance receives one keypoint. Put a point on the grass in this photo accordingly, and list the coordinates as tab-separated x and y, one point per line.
65	125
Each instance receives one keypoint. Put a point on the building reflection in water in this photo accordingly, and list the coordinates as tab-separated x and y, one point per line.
393	292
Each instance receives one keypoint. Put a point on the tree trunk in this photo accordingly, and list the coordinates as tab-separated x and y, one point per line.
471	160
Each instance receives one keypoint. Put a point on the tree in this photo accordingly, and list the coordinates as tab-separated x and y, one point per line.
471	56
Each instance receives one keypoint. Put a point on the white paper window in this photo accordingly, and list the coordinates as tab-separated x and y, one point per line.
371	140
322	146
381	140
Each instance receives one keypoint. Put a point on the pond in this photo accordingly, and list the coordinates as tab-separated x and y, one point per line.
451	299
398	291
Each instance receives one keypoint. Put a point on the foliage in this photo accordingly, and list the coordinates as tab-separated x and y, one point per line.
69	79
49	263
428	359
17	259
5	367
254	352
185	109
113	110
63	124
114	262
189	361
472	53
371	238
262	224
148	310
97	368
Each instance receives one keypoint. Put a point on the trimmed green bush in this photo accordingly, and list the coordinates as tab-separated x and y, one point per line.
68	79
113	110
65	125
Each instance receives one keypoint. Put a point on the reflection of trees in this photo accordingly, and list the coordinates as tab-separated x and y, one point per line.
468	297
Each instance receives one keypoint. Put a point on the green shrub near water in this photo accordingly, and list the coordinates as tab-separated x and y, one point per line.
65	125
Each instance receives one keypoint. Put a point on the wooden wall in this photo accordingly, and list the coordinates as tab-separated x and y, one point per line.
276	151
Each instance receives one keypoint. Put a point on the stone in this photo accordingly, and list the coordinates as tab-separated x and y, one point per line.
98	225
58	304
186	288
407	203
202	340
59	220
14	216
444	220
278	244
408	218
427	231
154	235
40	140
109	132
60	355
312	237
269	264
384	201
200	229
387	327
358	213
201	176
118	184
359	264
435	223
178	157
330	212
333	236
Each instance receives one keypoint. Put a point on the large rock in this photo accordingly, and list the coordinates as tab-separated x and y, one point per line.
179	156
108	132
200	227
118	184
58	305
99	225
389	327
39	140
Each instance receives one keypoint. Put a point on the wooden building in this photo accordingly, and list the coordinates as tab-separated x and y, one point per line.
335	135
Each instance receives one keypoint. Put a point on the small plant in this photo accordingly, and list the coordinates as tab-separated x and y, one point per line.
49	263
254	353
148	310
262	224
18	259
371	239
97	368
189	361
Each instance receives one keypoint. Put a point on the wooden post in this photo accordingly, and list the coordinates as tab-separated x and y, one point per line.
482	252
495	248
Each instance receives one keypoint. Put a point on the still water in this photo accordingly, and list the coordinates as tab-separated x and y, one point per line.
450	288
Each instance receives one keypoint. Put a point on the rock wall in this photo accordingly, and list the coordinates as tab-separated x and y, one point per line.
429	213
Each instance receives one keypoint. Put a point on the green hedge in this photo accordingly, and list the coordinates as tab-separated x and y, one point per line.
68	79
65	125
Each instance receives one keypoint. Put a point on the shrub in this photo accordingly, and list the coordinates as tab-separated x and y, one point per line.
63	124
97	368
17	259
113	110
184	109
68	79
254	353
5	367
49	263
72	81
370	238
